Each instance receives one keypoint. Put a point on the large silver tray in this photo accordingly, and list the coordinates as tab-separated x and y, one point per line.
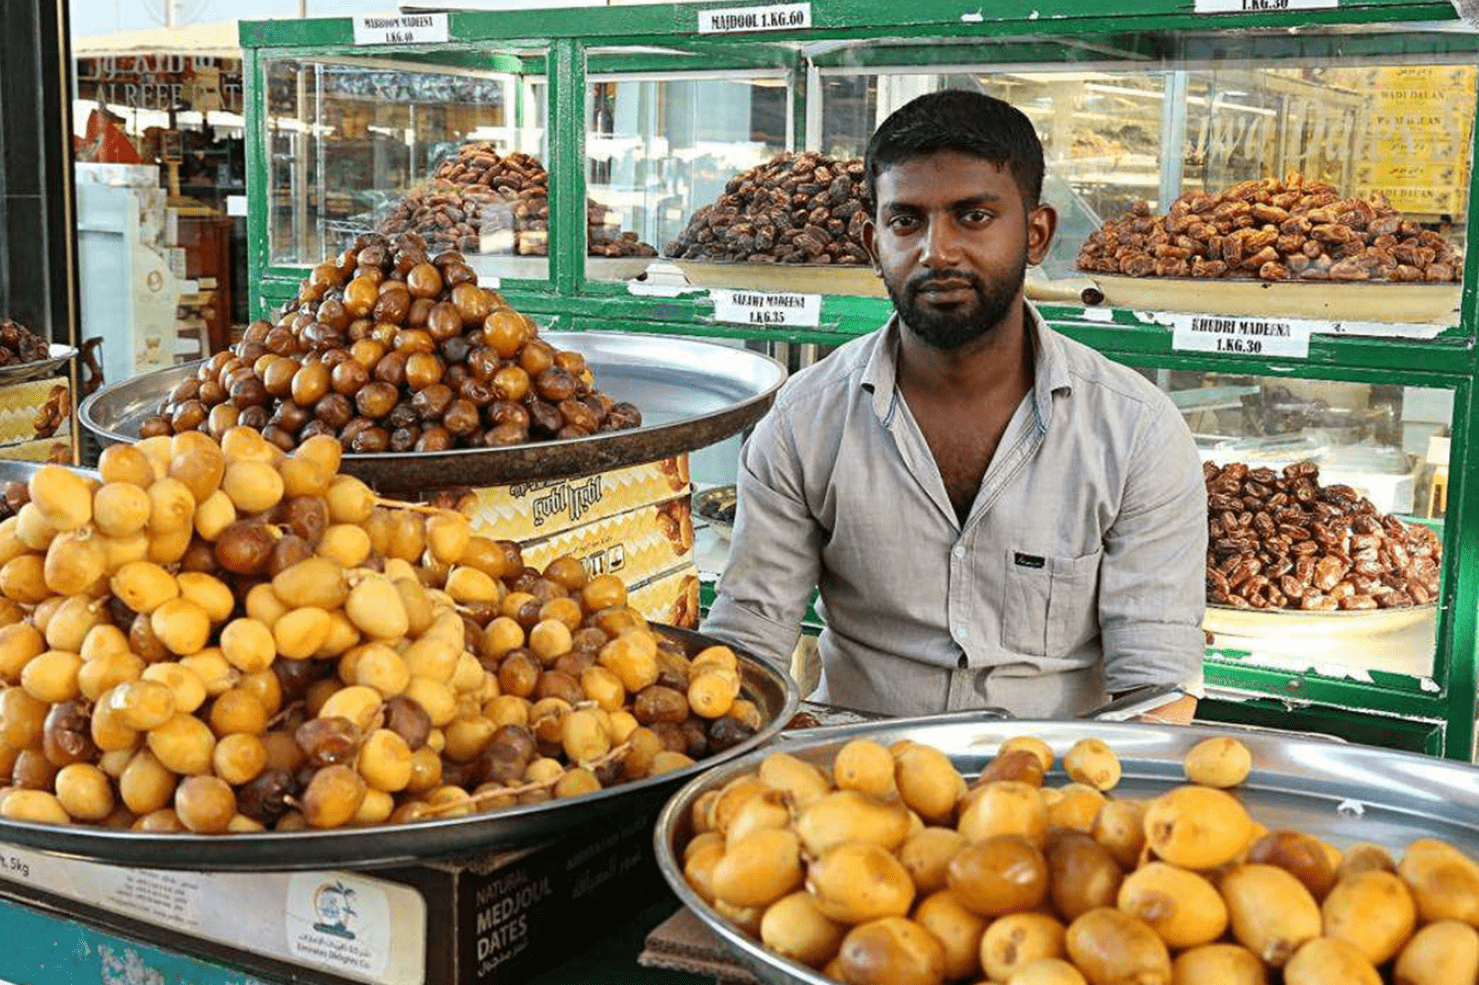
20	470
402	844
1343	793
692	394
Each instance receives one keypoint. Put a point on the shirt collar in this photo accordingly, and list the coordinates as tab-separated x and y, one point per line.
1050	368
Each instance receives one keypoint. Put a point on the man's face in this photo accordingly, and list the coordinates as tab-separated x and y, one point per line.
953	238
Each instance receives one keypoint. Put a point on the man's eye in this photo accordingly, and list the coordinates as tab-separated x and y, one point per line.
902	223
977	216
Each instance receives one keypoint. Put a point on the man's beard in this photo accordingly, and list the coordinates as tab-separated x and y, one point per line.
954	327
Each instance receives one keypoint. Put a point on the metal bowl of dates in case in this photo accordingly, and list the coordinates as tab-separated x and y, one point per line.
1341	793
691	394
772	691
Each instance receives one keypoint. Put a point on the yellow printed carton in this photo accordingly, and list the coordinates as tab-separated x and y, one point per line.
529	511
634	546
671	597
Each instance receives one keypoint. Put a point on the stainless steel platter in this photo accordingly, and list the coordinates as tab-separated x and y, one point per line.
1343	793
57	356
401	844
691	394
17	470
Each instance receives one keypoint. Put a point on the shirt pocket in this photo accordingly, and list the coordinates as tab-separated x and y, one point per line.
1073	602
1024	622
1051	602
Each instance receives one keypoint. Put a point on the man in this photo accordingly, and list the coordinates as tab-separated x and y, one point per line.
994	515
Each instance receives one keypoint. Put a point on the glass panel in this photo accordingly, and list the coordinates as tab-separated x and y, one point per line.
659	148
357	146
1131	124
1365	597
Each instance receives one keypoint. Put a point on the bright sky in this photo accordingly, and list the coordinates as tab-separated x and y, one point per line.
105	16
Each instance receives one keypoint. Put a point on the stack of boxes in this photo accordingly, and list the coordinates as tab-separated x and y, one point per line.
635	523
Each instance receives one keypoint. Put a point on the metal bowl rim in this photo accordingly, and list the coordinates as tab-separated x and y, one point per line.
70	840
411	457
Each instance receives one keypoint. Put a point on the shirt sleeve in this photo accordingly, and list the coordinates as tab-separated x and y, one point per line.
775	557
1152	582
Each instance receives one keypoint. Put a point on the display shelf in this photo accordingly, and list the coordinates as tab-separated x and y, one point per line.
859	60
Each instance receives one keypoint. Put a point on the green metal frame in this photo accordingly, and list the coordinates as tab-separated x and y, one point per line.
566	47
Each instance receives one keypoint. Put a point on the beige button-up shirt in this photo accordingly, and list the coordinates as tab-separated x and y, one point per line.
1078	572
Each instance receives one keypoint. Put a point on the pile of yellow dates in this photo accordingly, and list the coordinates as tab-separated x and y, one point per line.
888	869
225	637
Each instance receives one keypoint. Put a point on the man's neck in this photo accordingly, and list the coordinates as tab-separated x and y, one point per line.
997	362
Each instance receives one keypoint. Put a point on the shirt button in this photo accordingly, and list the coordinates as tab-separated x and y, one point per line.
962	633
959	551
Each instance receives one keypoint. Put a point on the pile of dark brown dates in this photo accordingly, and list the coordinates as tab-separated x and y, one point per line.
389	349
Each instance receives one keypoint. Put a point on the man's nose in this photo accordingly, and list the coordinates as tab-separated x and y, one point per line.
941	245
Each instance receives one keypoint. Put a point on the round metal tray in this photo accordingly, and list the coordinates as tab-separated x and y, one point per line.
1370	301
401	844
691	394
19	470
57	355
1303	624
1343	793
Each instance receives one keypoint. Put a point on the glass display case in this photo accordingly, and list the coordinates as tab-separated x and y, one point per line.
453	152
662	144
1266	213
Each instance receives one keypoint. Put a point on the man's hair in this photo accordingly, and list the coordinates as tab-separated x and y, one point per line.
954	119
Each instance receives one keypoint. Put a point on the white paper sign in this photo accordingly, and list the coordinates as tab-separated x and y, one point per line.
1260	6
366	929
236	205
1287	338
401	29
739	20
765	308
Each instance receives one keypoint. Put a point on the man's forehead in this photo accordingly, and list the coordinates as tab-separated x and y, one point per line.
932	173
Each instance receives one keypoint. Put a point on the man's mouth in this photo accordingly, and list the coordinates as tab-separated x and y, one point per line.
938	291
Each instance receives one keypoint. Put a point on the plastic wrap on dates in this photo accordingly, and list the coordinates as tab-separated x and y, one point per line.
796	208
18	344
1272	230
484	202
1281	540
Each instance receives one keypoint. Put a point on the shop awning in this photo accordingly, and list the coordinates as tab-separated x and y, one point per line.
217	40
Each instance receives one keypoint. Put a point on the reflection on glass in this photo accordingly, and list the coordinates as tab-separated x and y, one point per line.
1325	508
357	147
659	149
1117	134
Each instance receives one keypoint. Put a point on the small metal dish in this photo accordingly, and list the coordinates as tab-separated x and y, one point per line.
716	506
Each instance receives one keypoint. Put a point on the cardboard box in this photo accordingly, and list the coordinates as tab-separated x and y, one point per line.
495	920
40	450
635	546
530	510
671	597
21	402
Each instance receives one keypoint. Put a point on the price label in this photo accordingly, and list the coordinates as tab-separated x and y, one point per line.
1241	336
771	17
401	29
761	308
14	865
1260	6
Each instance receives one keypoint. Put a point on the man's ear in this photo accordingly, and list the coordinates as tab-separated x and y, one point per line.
1042	223
869	233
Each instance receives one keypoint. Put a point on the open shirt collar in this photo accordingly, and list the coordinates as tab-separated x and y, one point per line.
1050	368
